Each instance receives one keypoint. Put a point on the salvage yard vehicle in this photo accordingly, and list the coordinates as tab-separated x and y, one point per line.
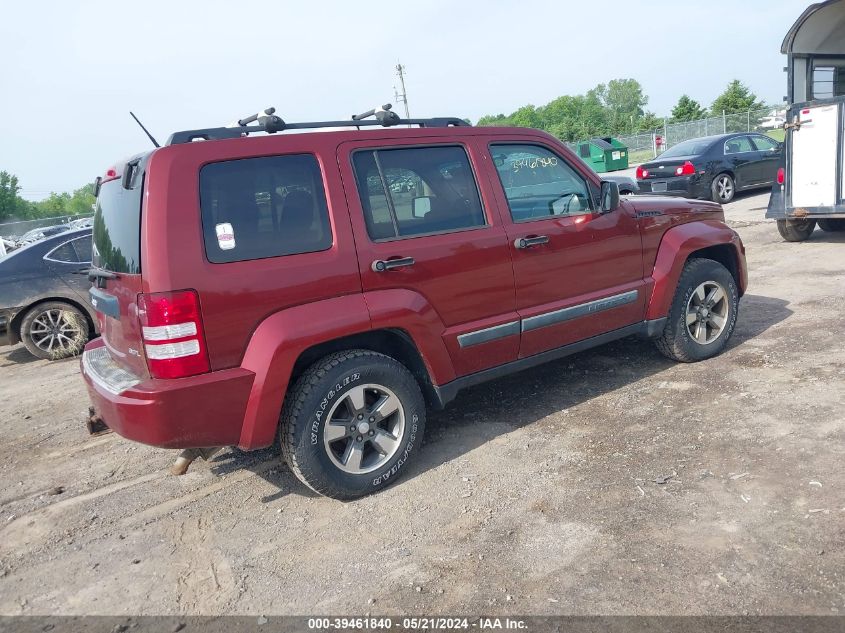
712	167
260	288
44	296
810	187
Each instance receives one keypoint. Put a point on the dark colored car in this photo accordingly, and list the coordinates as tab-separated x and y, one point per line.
44	299
712	168
322	289
627	185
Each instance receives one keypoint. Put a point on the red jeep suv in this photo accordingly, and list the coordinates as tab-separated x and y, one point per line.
323	289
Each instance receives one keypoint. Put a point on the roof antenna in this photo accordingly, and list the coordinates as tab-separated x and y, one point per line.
150	136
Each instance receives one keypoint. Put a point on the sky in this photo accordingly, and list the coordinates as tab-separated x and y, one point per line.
72	70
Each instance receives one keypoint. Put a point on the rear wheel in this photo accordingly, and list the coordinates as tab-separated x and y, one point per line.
351	422
54	330
703	312
723	188
796	230
832	225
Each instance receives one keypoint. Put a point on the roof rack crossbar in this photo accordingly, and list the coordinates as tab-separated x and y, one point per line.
218	133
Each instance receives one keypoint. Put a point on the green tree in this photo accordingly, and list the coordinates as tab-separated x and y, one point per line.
494	120
649	122
625	103
737	97
688	109
526	116
11	204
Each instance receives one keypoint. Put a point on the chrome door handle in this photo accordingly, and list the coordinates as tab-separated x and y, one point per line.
528	242
383	265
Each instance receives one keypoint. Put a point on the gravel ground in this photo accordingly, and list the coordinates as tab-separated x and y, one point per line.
611	482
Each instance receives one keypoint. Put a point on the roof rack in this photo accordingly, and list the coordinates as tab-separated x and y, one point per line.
270	124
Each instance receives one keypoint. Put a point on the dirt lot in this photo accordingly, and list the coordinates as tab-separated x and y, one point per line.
534	494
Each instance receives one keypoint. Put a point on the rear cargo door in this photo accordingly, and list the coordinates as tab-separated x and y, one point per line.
116	254
814	166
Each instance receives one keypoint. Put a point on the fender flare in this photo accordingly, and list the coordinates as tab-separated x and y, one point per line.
282	337
677	245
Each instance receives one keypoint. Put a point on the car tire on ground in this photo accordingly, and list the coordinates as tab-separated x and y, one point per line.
832	225
796	230
723	188
351	423
703	312
54	330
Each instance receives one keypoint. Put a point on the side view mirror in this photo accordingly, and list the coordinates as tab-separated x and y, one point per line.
609	196
420	206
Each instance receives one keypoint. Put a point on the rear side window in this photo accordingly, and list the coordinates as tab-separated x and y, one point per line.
117	227
417	191
82	246
64	253
263	207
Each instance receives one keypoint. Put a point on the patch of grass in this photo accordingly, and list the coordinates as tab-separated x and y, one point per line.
778	135
640	156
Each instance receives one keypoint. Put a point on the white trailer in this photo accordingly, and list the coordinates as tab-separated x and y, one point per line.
810	187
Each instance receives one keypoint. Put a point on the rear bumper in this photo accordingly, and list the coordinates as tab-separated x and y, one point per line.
681	186
195	412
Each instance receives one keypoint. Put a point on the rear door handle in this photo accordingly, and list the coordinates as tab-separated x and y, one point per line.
383	265
532	240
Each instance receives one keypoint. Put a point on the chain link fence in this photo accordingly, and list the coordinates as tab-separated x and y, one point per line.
647	145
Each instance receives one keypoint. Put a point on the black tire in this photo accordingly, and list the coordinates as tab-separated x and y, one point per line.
677	341
796	230
53	330
723	188
832	225
326	388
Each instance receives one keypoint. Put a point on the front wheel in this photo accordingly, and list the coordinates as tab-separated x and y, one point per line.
723	188
796	230
54	330
703	312
351	423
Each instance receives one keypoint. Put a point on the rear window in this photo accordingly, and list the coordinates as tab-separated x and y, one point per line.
263	207
117	227
693	147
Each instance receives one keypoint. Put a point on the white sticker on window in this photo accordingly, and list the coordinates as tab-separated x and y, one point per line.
225	236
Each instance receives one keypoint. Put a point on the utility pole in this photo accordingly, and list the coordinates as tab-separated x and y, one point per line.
403	96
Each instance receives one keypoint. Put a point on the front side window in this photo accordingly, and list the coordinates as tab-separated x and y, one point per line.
417	191
539	184
738	145
263	207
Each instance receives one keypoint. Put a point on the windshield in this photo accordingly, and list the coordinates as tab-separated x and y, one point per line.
117	228
692	147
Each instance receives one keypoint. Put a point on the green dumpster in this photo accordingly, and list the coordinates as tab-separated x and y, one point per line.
604	154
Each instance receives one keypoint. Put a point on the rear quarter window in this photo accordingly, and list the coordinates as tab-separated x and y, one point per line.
117	228
256	208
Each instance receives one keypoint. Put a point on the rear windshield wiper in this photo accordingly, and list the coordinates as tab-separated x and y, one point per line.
95	274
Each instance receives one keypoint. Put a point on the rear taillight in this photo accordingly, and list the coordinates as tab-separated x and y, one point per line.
173	336
642	174
781	176
687	169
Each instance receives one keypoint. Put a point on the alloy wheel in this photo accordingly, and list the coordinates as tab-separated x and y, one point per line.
364	429
724	188
707	312
55	331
